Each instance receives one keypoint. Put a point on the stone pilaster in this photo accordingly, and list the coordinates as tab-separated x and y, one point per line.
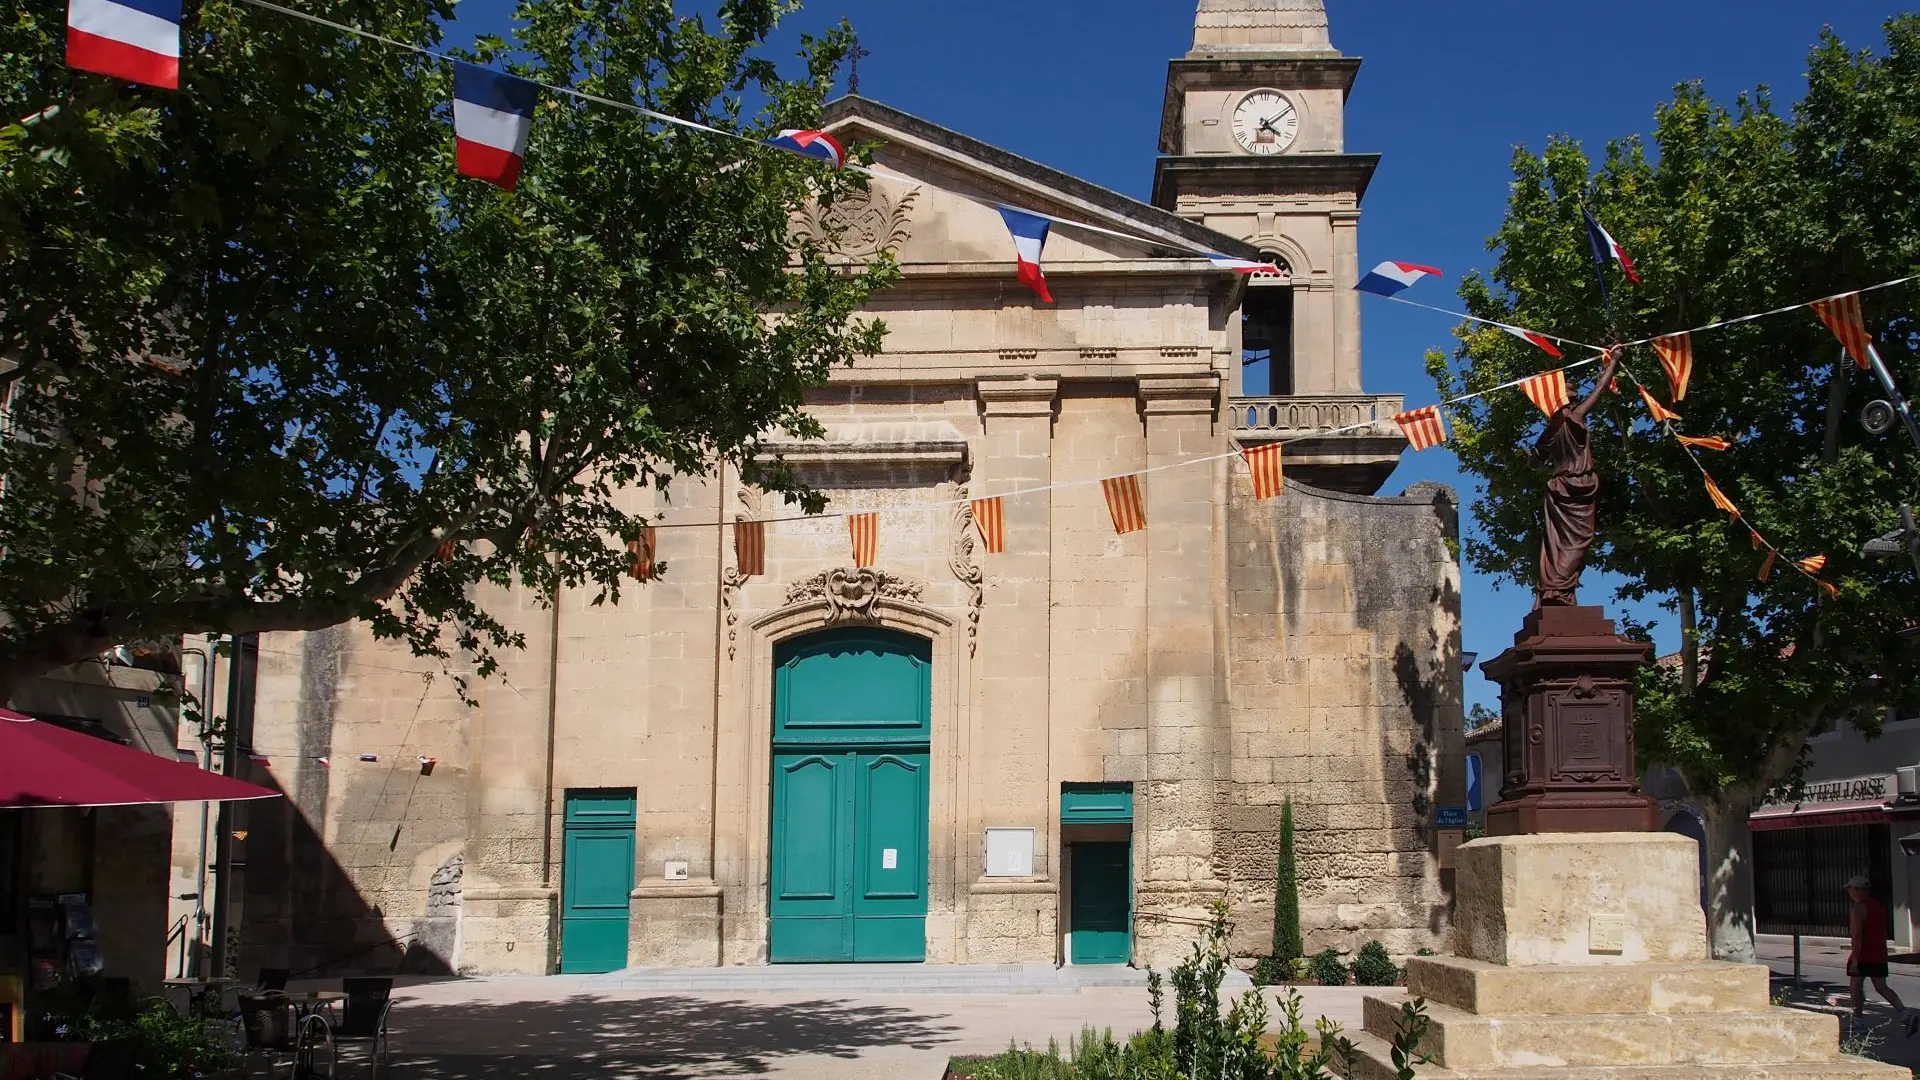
1008	774
509	911
1174	832
1346	302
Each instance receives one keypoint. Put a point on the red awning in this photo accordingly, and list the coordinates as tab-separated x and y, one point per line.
45	765
1809	815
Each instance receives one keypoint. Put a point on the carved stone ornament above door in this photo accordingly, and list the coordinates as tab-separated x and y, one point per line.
852	595
860	224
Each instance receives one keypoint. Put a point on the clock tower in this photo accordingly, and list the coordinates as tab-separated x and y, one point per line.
1253	145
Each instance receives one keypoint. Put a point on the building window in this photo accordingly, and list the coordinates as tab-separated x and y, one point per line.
1266	335
1475	800
12	859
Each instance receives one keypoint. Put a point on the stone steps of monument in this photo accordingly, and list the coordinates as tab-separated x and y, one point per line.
1561	990
1375	1062
1460	1040
881	979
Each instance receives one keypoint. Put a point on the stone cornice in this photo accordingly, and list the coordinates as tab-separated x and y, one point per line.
1029	396
1168	395
1345	172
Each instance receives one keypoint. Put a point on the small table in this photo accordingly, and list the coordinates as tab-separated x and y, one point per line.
198	990
308	1002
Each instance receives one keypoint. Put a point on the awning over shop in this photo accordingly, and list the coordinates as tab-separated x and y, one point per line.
45	765
1811	815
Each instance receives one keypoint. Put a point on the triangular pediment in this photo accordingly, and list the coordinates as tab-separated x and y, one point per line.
932	204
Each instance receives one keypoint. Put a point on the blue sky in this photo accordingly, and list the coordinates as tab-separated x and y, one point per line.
1446	92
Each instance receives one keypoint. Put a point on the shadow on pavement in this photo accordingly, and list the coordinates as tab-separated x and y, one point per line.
653	1037
1878	1035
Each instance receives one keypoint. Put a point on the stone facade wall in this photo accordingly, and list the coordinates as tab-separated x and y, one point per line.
1346	698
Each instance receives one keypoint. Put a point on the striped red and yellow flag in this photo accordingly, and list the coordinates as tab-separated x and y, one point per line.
1676	356
1842	316
1264	462
1832	589
1548	392
990	517
1758	540
865	532
1704	442
750	547
1661	414
1129	510
640	564
1424	428
1766	568
1812	564
444	553
1720	498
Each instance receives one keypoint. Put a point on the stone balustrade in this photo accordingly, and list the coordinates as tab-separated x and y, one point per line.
1298	415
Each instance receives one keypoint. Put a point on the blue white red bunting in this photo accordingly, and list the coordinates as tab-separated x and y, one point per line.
813	144
1606	249
492	119
136	40
1394	278
1238	266
1029	239
1539	341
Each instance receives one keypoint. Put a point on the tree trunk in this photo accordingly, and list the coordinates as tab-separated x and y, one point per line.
1729	878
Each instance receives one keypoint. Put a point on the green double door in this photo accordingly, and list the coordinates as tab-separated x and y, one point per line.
852	711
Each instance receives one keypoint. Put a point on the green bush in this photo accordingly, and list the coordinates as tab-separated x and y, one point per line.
166	1046
1272	971
1373	967
1204	1044
1287	944
1327	969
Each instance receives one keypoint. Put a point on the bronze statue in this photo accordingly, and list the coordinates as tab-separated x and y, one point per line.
1573	495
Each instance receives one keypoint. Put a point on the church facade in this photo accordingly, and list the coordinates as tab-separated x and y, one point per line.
1062	753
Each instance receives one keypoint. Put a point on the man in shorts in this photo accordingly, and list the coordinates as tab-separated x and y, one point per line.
1868	957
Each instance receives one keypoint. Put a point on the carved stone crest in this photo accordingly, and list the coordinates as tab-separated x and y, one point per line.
860	224
853	595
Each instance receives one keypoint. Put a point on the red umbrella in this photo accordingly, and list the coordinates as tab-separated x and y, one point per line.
45	765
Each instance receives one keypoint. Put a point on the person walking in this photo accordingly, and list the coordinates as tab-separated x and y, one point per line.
1867	959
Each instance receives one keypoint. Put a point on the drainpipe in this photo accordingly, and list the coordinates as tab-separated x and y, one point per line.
207	658
239	741
546	804
719	643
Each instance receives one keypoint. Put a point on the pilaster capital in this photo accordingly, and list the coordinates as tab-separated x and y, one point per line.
1344	219
1027	395
1174	395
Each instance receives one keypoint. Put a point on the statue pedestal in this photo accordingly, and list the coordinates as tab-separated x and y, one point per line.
1566	691
1584	957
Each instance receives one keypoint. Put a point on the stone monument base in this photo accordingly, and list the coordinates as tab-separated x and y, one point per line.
1584	957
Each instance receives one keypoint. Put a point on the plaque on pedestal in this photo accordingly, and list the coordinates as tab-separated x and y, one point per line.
1566	692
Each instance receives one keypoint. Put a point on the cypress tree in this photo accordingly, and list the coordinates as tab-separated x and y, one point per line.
1287	944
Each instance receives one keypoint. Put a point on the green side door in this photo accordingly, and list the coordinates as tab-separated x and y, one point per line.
890	857
812	873
1100	913
597	881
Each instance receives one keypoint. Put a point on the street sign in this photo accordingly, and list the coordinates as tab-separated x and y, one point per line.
1449	817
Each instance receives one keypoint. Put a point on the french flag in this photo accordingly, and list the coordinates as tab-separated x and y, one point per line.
813	144
1540	341
1605	247
1238	266
1394	278
492	118
1029	237
136	40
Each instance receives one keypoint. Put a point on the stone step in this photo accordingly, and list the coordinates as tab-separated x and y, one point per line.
1375	1062
1458	1039
881	979
1560	990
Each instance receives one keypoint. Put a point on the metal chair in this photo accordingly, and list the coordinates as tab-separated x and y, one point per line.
274	1028
273	978
363	1018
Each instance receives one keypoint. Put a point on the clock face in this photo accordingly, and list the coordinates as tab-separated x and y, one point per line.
1265	122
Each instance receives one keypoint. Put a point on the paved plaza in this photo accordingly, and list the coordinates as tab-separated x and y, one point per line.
567	1026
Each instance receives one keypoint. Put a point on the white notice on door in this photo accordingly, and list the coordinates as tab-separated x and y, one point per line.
889	858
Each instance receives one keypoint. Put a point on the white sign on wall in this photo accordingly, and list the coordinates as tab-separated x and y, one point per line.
1010	852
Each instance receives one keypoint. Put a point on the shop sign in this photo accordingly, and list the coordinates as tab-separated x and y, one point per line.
1856	789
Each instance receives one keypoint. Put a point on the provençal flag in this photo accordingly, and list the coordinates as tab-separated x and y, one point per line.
1704	442
1812	564
1842	316
1124	504
1548	392
640	554
750	547
1766	568
1676	358
990	517
1661	414
1264	463
1424	428
864	531
1720	498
